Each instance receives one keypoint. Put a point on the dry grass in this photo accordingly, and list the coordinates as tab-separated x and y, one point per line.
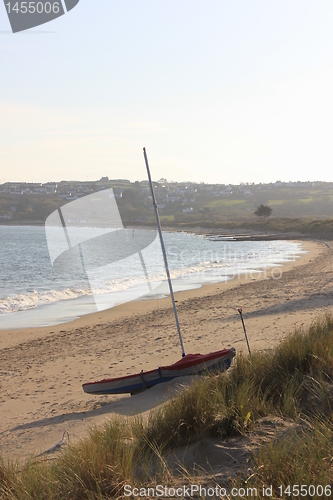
294	381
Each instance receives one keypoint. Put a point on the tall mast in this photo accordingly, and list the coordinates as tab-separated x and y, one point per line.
164	252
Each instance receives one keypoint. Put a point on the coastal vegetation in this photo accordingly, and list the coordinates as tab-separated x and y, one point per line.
292	382
306	207
305	226
263	211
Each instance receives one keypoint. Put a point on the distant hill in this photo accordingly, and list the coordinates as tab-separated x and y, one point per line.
185	203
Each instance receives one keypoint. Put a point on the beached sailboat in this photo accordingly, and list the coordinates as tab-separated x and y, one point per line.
190	364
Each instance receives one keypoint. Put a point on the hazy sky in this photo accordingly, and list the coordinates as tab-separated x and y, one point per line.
223	91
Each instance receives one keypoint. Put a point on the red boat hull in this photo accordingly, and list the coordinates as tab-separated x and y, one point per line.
191	364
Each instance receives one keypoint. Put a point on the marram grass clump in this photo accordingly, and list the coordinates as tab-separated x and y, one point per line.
294	380
94	468
300	462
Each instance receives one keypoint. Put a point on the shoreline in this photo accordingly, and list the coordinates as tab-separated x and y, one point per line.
42	369
133	307
47	311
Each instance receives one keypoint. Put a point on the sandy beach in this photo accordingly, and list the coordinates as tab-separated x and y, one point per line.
42	369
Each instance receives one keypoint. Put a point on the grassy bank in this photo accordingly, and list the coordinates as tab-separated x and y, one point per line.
302	226
293	381
284	226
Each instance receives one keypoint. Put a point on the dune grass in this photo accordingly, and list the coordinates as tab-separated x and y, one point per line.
302	459
294	380
95	467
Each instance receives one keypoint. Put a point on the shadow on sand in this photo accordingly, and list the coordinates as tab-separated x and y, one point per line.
126	406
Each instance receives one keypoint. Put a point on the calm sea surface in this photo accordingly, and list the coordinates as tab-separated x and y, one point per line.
35	293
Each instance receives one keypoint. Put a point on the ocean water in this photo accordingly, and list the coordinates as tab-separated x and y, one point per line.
42	285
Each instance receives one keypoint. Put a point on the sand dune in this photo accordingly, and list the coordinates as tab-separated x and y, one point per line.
42	369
